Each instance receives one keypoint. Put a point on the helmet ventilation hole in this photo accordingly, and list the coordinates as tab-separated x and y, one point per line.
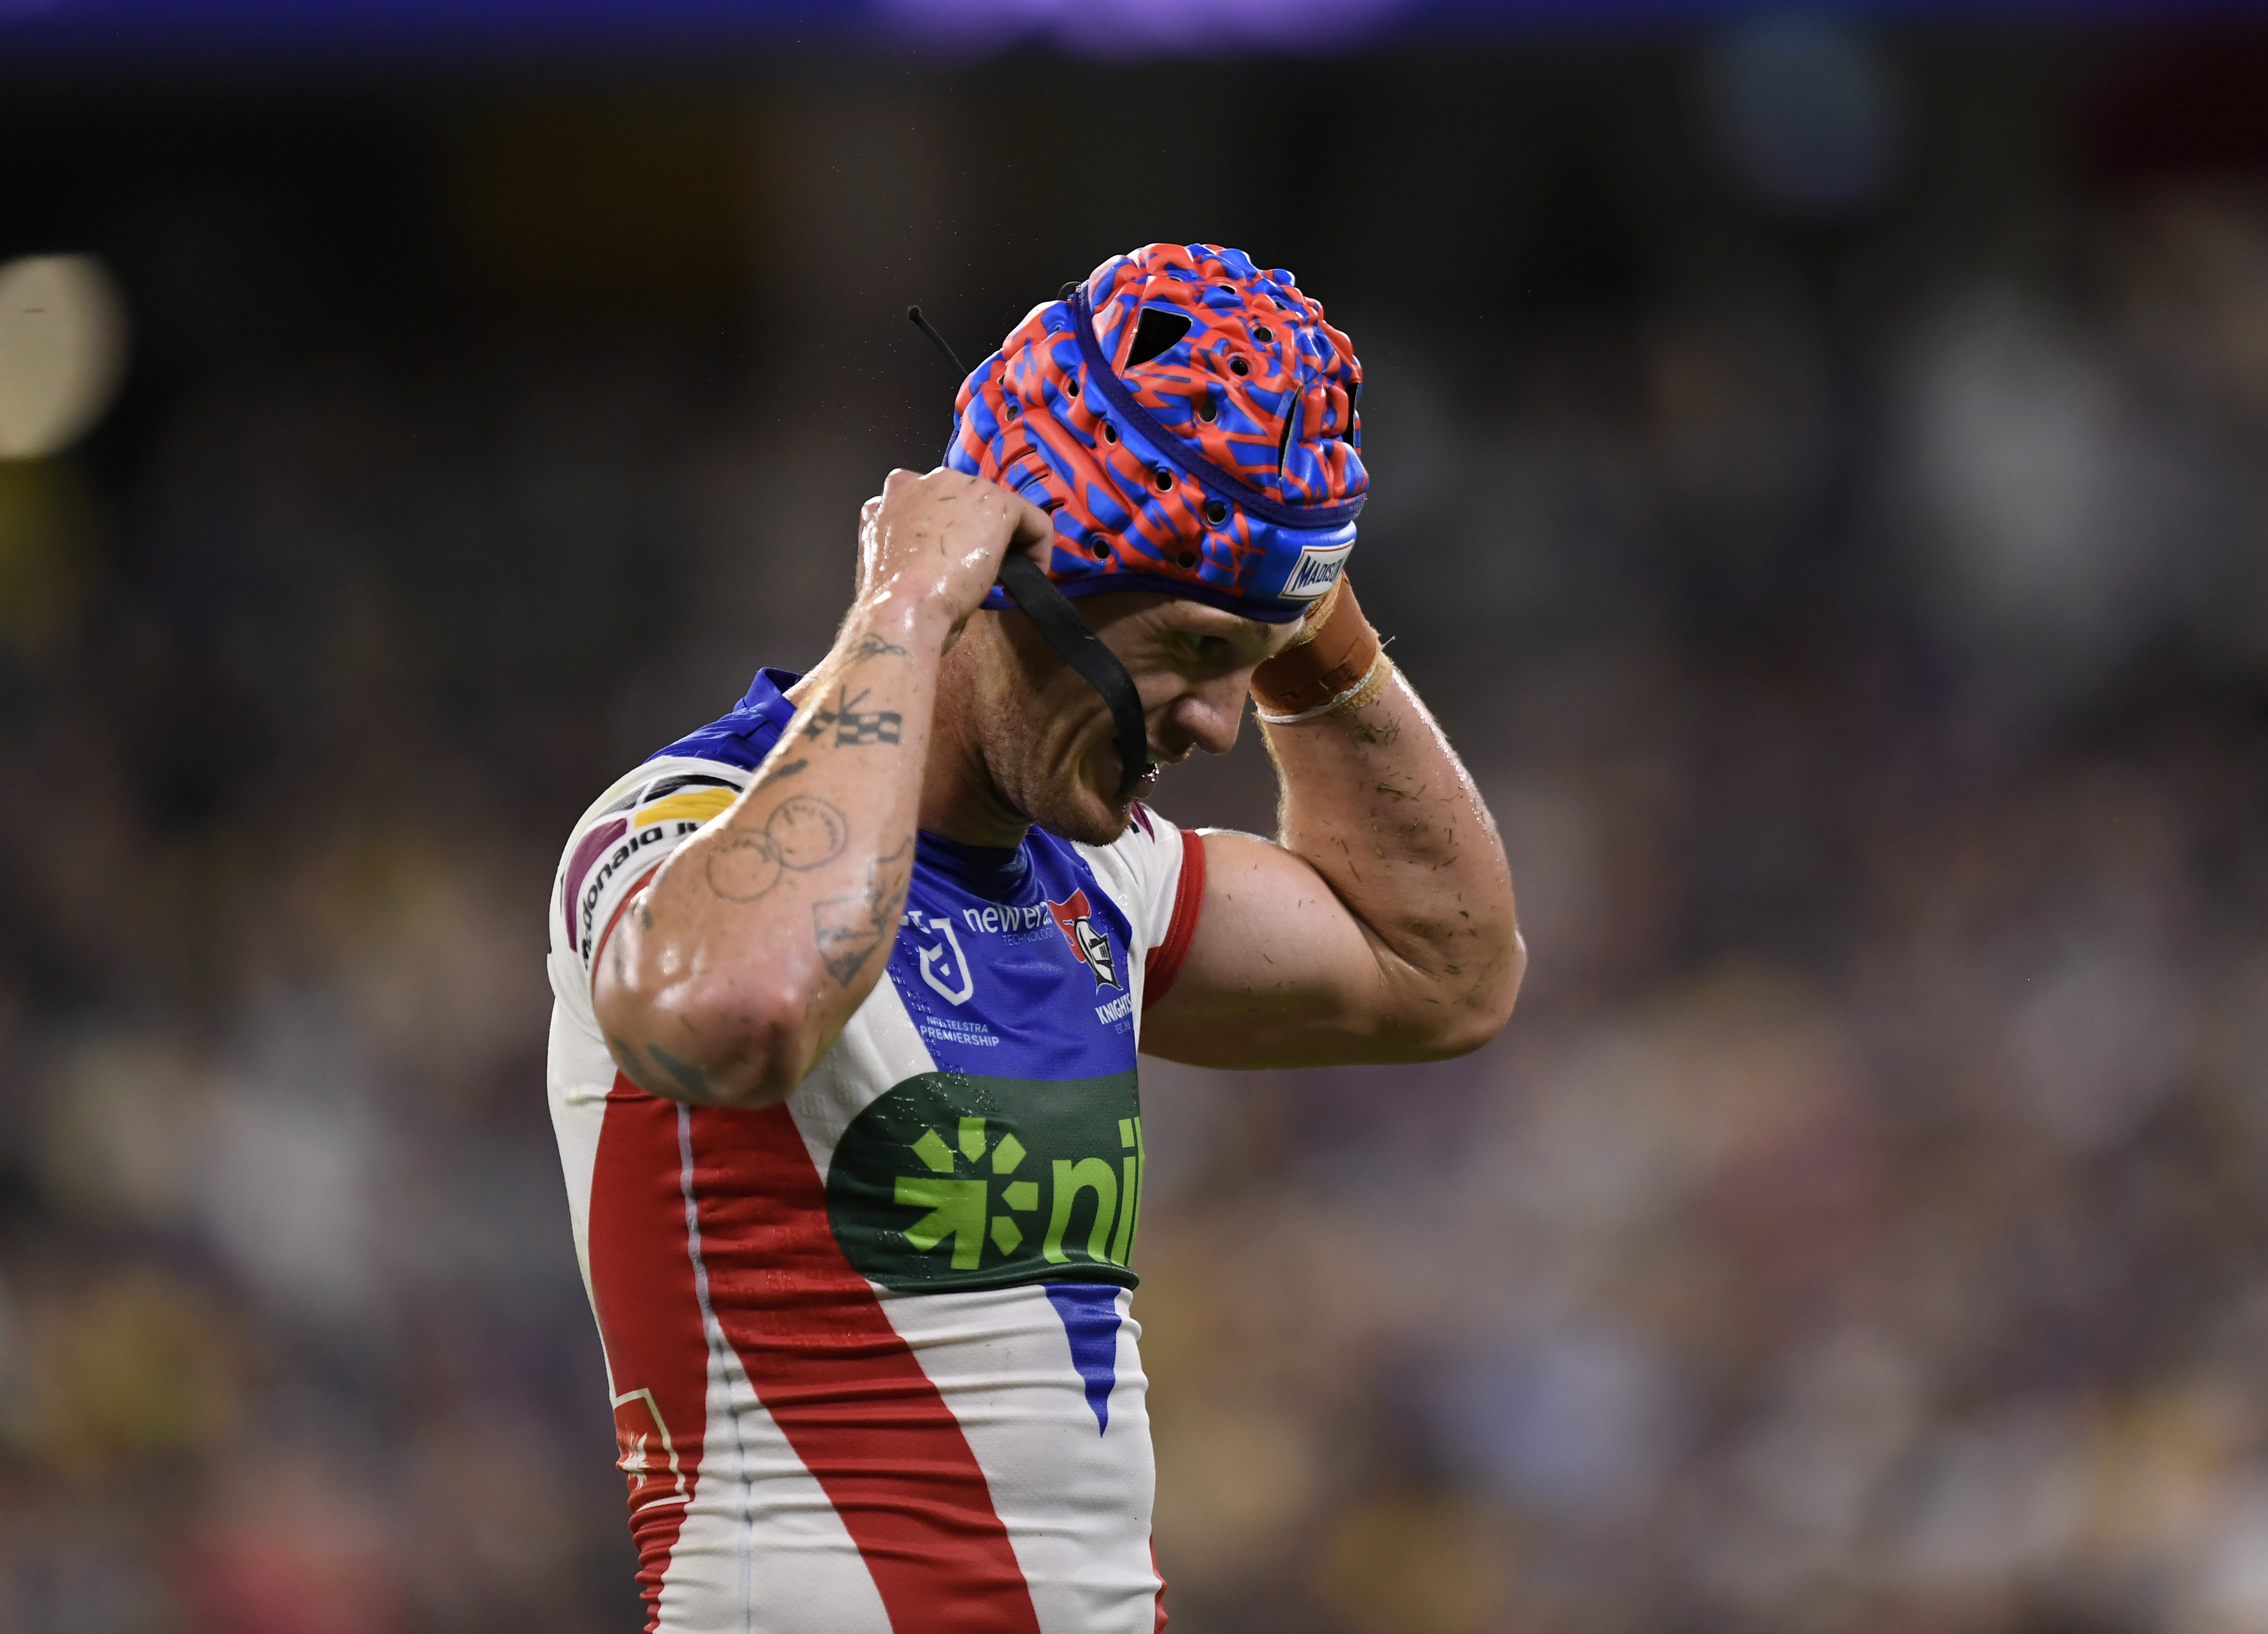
1071	385
1230	288
1263	334
1188	558
1109	432
1216	512
1013	411
1101	549
1206	412
1155	334
1237	365
1164	479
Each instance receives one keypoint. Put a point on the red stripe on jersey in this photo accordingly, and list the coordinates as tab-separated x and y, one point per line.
1164	962
650	1321
1160	1626
845	1390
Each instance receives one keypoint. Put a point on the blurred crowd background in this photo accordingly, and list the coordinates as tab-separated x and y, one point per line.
1821	485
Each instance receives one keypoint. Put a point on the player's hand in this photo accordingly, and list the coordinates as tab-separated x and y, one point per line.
930	546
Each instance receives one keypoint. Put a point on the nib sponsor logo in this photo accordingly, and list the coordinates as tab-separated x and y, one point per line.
1088	941
925	1193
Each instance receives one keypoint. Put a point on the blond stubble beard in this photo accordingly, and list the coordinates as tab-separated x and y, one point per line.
984	680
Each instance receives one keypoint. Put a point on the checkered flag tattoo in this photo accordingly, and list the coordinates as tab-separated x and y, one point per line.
854	727
881	726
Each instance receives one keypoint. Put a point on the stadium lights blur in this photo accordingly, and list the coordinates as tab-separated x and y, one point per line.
63	349
1806	113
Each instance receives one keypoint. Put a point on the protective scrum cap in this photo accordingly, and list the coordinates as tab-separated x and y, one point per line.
1189	421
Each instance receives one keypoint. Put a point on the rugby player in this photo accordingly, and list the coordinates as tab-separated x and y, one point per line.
851	982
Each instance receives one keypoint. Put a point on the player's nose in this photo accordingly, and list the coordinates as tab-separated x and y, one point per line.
1210	714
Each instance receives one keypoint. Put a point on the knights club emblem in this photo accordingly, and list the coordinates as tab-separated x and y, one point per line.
1089	943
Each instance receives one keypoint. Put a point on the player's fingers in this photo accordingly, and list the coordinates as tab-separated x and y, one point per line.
864	557
1029	528
1034	528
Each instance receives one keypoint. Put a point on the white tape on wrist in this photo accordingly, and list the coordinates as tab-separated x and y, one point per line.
1363	691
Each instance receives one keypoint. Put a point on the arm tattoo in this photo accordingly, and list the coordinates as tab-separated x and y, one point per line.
684	1074
802	832
847	929
870	645
853	727
806	831
690	1084
742	870
625	1058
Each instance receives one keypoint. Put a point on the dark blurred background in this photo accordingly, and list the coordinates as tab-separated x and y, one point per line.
1820	485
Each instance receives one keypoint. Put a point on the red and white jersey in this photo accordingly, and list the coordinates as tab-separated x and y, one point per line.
871	1353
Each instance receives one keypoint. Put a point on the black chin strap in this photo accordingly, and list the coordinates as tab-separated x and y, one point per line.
1058	622
1052	612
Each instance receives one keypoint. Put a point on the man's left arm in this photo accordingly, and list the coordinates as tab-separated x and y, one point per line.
1379	925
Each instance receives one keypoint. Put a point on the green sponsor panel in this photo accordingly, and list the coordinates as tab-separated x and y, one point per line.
950	1180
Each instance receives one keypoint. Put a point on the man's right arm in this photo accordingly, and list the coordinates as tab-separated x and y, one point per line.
737	967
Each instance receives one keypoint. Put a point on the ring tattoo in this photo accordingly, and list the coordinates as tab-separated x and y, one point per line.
803	832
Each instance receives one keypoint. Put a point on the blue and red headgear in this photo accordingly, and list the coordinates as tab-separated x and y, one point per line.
1189	421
